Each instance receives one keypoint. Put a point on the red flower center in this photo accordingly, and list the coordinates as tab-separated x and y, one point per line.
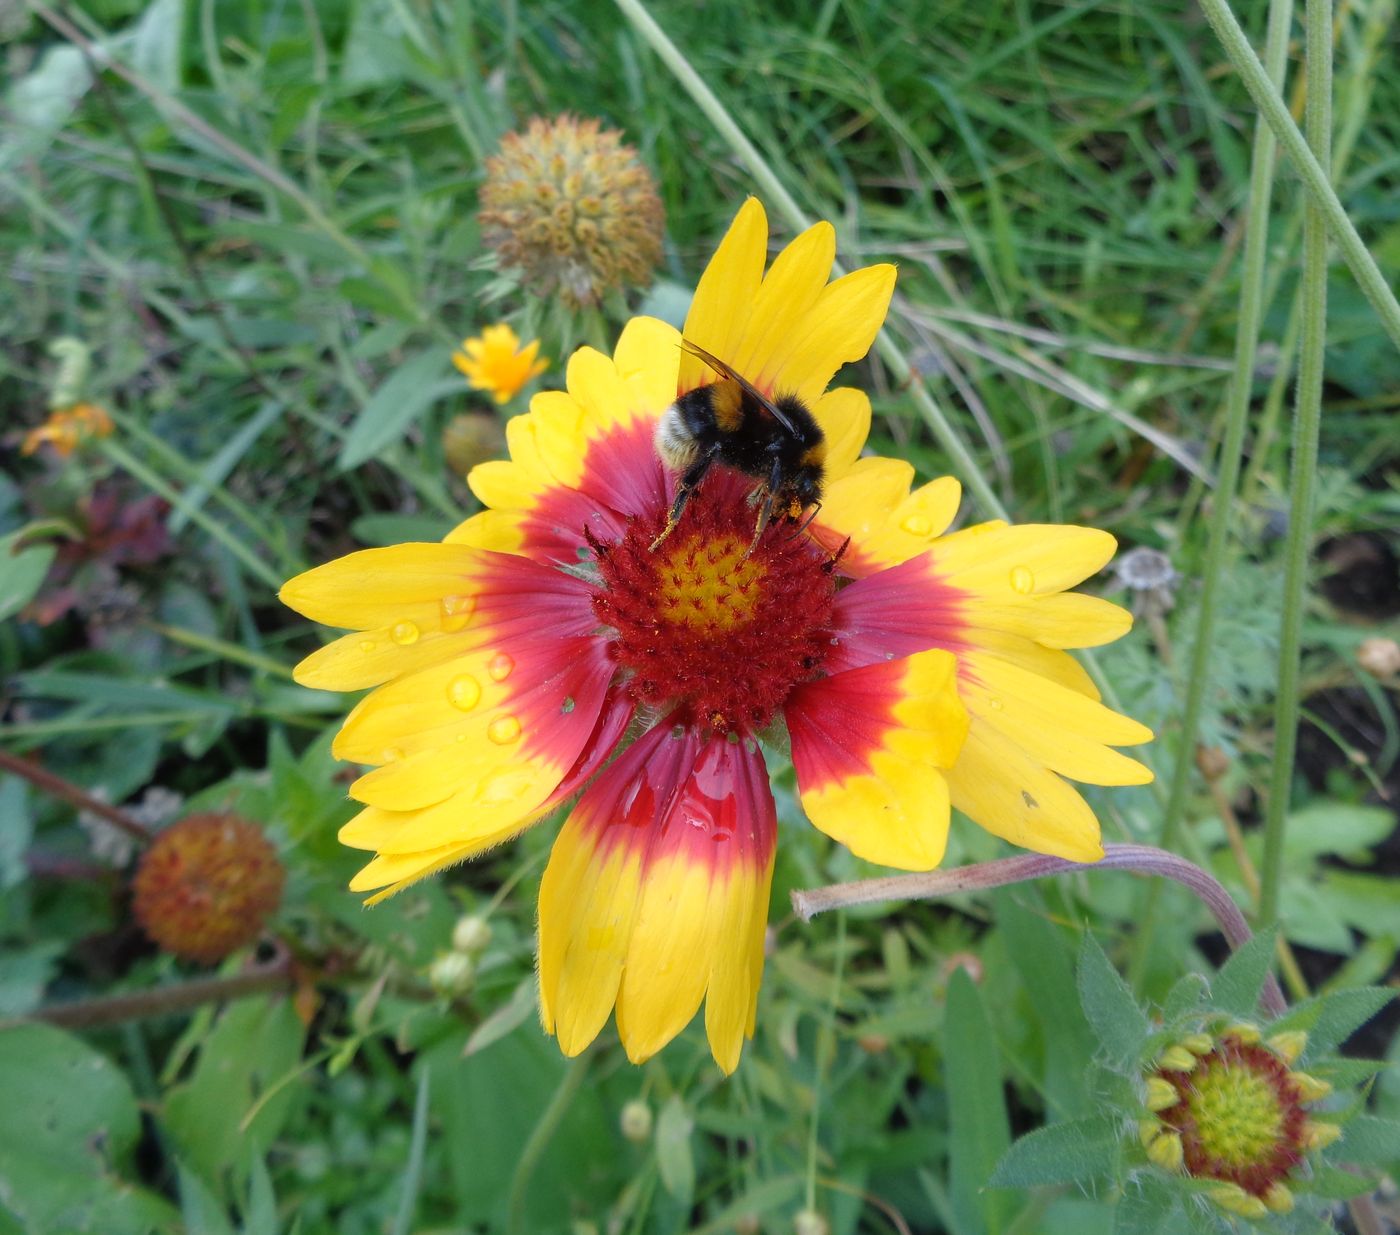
703	625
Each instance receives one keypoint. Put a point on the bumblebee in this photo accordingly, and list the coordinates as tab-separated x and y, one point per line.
730	422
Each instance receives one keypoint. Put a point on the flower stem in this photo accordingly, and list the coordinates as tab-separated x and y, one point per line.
1142	859
1263	89
52	783
904	374
1304	465
1261	177
540	1136
163	1000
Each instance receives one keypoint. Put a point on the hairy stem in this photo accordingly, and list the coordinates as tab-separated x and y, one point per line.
57	786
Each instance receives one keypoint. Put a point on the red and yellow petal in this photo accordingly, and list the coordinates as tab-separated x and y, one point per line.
581	458
392	872
656	897
418	605
868	746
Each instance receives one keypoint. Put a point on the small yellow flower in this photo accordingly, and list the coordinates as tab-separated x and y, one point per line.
494	361
67	428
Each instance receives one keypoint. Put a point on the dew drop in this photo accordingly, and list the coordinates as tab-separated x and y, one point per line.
503	730
500	667
996	704
456	611
392	754
463	692
367	646
677	732
917	525
568	705
404	633
1022	581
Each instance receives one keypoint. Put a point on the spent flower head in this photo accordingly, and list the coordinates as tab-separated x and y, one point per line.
569	206
559	643
207	885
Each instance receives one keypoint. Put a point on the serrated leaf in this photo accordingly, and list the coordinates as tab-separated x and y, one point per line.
1118	1022
1064	1153
1330	1020
401	398
1186	995
1332	1184
674	1158
1368	1140
1236	987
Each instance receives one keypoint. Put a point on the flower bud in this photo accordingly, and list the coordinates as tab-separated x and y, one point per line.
809	1222
471	935
452	973
635	1121
1379	657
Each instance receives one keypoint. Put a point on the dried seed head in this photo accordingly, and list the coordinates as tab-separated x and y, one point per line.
571	208
207	886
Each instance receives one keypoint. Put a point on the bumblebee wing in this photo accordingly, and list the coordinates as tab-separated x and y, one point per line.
747	386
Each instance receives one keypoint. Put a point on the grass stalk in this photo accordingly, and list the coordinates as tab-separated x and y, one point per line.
772	187
1303	473
1261	178
1263	89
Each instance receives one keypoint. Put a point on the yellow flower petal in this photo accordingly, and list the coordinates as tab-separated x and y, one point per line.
843	415
787	294
719	312
867	745
378	587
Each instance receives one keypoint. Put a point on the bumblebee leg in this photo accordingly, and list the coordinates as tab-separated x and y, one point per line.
765	512
689	481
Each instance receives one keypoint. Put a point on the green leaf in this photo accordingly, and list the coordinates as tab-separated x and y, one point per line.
979	1132
1118	1022
1330	1020
15	835
155	47
393	529
253	1046
401	398
1334	1185
518	1009
39	104
1063	1153
1336	827
1188	993
413	1169
22	572
674	1158
73	1123
1046	969
1236	987
1368	1140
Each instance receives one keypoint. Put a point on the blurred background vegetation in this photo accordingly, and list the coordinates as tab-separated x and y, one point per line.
259	222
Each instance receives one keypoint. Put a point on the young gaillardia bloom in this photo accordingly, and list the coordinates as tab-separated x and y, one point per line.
495	362
557	642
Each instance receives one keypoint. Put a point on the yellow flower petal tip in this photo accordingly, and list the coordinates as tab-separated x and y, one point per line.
496	362
1289	1046
1166	1152
1161	1094
1176	1059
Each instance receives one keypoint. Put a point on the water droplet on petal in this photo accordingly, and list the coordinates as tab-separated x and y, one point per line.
568	705
456	611
996	703
917	525
463	692
500	667
503	730
1022	581
404	633
392	754
367	646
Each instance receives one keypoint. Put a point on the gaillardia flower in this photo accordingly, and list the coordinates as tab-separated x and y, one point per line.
67	428
495	362
545	647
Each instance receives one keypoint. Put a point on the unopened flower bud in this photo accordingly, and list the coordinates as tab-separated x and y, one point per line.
1166	1151
635	1121
809	1222
1379	657
1161	1094
1288	1046
471	935
452	973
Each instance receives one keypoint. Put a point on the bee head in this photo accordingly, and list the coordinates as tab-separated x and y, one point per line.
807	486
